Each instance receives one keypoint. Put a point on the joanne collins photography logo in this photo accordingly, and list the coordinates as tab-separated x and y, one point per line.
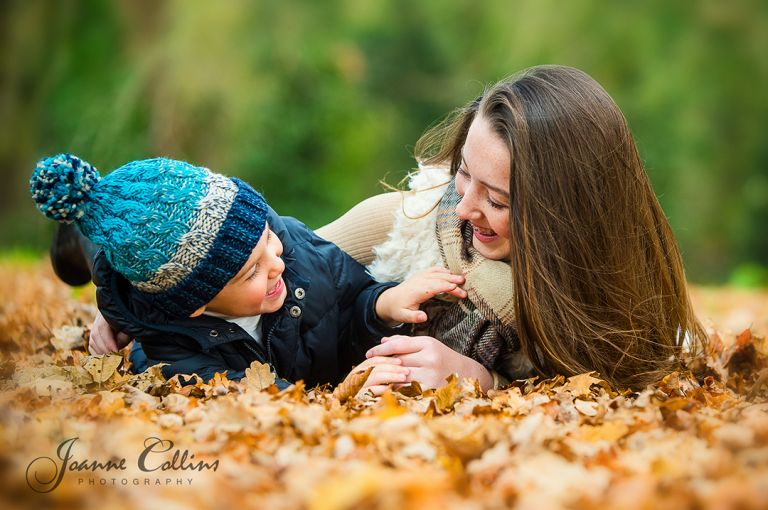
158	457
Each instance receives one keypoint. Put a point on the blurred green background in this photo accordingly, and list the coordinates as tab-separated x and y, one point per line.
315	102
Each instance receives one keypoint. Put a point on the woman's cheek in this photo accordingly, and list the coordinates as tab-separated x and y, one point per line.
502	220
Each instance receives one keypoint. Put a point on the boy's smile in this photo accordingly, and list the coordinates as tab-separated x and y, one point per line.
258	287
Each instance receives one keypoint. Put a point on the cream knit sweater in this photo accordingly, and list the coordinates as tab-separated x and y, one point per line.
393	234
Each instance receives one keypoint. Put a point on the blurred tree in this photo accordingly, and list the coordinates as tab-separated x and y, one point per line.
313	103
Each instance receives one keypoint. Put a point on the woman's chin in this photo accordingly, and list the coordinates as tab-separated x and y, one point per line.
496	250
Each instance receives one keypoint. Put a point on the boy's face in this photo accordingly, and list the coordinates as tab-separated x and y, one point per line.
259	287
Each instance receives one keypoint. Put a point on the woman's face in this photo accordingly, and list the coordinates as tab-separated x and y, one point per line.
483	183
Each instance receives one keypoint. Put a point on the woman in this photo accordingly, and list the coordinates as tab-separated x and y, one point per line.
577	267
571	265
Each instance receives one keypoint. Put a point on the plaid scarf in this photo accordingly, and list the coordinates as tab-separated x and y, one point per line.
482	326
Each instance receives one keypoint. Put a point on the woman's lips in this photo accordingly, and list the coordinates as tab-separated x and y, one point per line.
275	291
484	235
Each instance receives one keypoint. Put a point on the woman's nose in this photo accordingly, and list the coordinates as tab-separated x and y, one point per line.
465	209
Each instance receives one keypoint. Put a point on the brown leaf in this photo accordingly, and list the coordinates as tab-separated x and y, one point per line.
69	337
446	397
102	368
744	358
351	384
259	376
762	380
410	390
390	407
151	381
744	338
579	385
609	431
586	408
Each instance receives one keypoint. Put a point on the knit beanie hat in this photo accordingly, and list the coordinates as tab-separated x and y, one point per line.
176	231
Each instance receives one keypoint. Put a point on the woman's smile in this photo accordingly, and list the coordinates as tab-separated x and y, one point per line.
484	235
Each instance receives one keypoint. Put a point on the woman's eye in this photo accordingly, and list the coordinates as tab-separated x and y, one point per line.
463	173
496	205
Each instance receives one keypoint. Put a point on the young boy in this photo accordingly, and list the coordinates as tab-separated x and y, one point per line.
207	278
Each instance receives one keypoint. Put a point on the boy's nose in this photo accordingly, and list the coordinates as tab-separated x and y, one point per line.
277	267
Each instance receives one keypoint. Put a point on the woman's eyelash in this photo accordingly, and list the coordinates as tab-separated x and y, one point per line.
496	205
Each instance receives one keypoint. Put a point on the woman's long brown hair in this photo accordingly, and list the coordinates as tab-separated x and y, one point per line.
597	275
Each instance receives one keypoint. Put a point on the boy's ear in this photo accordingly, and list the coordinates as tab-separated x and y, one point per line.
197	312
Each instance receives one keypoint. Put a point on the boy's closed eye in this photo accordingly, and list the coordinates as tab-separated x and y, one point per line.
254	272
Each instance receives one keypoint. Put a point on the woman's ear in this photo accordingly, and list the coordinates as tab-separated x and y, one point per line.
197	312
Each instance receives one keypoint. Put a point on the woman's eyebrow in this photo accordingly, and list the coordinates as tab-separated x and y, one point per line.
487	185
496	189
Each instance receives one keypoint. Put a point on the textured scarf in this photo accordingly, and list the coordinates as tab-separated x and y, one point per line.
480	327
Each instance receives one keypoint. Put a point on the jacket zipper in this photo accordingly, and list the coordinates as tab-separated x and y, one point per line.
268	341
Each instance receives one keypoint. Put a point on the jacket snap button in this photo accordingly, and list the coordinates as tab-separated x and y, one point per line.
295	311
299	293
213	333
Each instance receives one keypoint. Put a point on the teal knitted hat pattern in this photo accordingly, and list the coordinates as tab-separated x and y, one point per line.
178	232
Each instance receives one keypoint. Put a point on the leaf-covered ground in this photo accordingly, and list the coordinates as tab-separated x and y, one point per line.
573	443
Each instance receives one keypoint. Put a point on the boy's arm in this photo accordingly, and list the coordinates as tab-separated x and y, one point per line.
182	360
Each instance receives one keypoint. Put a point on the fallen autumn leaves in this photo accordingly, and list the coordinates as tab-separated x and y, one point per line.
539	444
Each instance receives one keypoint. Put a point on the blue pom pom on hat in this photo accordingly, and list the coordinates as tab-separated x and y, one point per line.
178	232
61	185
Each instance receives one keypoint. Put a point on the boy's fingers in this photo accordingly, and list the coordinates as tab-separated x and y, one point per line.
98	344
458	292
447	276
410	316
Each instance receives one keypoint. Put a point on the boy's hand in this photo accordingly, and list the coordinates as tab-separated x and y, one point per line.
103	338
401	303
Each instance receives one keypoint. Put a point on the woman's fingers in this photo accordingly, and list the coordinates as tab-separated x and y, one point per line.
392	375
378	360
383	376
395	345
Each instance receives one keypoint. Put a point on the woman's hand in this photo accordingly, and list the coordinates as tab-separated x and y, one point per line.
386	371
104	339
429	361
401	303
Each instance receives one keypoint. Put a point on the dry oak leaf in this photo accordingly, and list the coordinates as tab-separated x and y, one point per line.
608	431
447	396
67	338
259	376
351	384
586	408
151	381
579	385
389	407
103	368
